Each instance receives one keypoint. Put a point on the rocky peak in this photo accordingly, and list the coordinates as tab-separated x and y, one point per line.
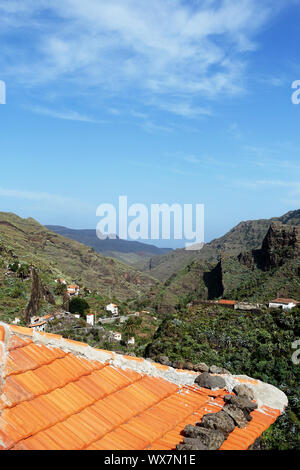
282	242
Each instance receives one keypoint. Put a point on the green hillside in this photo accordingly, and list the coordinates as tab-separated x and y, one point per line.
255	344
61	257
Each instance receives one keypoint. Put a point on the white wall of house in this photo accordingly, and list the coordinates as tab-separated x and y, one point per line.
283	306
113	308
90	319
117	336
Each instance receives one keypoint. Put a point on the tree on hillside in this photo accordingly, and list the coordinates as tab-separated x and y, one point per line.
79	306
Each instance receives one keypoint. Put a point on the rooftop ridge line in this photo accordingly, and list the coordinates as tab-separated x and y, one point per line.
141	365
265	394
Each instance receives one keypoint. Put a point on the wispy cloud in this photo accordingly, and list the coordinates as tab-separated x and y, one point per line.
183	109
66	115
44	197
174	48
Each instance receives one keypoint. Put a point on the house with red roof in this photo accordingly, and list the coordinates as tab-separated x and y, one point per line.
285	304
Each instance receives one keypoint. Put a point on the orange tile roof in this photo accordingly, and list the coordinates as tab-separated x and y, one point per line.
284	301
226	302
54	394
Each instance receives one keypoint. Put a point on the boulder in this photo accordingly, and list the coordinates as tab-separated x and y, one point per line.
219	370
201	367
164	360
191	444
220	421
241	402
210	438
212	382
244	391
189	366
178	365
237	415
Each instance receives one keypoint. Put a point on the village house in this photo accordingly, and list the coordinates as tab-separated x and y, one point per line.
131	340
247	306
113	308
227	303
90	319
60	281
285	304
116	336
73	289
40	323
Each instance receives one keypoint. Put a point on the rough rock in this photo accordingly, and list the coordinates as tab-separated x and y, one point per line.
211	438
48	296
178	365
237	415
244	391
33	306
220	421
241	402
257	445
191	444
164	360
189	366
219	370
38	292
201	367
212	382
66	302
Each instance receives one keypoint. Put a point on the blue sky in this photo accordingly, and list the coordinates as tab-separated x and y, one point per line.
164	101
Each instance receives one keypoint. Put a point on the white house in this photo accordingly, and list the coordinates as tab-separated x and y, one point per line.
40	323
16	321
73	289
247	306
90	319
131	340
285	304
113	308
117	336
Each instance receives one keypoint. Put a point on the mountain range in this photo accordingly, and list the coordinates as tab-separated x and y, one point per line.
128	251
247	235
272	270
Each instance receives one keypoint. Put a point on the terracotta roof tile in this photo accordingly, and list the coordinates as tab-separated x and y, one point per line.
54	397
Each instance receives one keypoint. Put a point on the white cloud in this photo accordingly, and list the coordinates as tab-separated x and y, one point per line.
172	47
44	197
66	115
